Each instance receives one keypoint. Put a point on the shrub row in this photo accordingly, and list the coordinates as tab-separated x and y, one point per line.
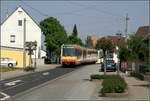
97	76
29	68
114	84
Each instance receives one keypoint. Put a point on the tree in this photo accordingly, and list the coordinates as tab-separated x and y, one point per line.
138	49
30	47
134	49
106	45
124	52
74	39
55	35
75	32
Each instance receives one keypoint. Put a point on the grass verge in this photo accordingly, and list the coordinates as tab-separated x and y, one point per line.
8	69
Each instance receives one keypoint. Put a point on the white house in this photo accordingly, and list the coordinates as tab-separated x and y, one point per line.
12	31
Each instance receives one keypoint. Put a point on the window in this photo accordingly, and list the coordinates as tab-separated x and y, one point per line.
19	12
68	51
12	38
19	22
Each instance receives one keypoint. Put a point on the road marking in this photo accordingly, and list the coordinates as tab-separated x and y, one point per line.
12	83
46	73
4	98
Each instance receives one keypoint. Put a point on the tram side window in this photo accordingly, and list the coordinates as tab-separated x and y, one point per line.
89	53
84	54
95	54
78	53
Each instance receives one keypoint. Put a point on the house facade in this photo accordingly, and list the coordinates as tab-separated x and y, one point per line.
12	31
15	54
92	40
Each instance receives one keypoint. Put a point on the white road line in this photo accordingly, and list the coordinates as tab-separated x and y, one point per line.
12	83
4	98
46	73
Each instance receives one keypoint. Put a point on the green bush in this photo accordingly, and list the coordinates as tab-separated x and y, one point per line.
114	84
98	76
47	61
29	68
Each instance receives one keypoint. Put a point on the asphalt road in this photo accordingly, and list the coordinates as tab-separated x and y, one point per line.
13	86
72	86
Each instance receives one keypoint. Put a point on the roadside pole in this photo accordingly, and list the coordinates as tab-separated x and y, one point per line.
119	62
35	54
24	50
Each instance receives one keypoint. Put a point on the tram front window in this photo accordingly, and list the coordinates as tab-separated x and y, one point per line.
68	52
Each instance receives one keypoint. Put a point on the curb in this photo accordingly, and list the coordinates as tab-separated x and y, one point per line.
115	94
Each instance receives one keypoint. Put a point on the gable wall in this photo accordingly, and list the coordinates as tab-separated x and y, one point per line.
10	27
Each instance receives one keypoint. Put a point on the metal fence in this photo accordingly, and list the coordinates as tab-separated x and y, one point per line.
135	66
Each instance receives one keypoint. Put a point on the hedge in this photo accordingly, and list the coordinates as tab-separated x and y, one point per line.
114	84
98	76
29	68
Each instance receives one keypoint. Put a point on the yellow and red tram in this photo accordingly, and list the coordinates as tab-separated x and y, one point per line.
75	54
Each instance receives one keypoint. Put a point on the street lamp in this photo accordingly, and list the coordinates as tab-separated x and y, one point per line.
119	38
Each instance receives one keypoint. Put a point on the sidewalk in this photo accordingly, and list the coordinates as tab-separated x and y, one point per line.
7	75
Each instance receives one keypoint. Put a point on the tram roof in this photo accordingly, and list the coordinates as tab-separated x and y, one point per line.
78	46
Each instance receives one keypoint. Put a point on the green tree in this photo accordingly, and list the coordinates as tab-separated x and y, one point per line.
134	49
55	36
106	45
74	39
138	50
75	32
124	52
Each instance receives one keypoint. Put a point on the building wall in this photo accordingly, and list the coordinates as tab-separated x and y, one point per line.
16	55
115	57
10	27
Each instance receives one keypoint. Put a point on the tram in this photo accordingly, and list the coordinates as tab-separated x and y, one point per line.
75	55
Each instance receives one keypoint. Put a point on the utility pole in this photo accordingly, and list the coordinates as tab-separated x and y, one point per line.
127	27
24	46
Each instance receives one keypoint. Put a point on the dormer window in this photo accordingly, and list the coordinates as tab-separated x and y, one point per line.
19	22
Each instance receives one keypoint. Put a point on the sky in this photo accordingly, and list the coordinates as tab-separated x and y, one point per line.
99	18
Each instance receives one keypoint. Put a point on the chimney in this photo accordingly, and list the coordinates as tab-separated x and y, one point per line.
18	6
7	14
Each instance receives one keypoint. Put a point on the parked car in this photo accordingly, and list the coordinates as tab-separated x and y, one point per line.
7	62
110	66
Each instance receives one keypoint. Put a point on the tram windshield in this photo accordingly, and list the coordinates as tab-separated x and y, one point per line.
68	51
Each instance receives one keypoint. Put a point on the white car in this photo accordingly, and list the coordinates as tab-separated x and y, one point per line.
4	61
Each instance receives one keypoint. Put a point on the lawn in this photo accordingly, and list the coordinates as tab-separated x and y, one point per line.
7	69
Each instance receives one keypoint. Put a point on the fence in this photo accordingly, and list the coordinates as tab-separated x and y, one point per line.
135	66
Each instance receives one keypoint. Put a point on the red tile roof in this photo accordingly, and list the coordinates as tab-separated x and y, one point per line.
115	39
94	39
143	31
